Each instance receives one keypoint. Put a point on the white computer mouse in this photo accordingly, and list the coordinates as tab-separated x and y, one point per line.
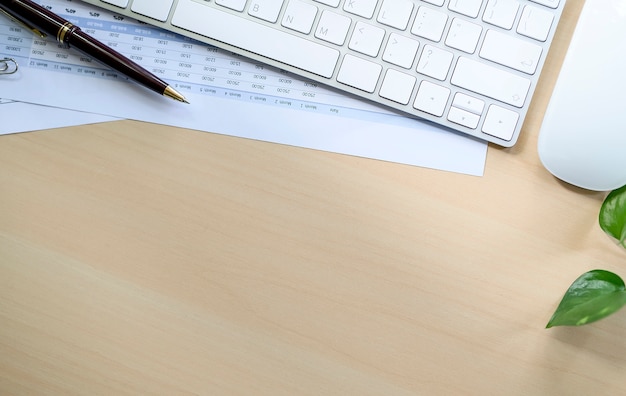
582	139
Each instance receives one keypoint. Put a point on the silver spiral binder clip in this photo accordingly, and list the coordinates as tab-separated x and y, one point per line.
8	66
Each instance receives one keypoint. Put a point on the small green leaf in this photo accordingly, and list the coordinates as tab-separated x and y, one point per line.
594	295
613	215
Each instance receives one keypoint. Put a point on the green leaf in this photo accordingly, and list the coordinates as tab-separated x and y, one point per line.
594	295
613	215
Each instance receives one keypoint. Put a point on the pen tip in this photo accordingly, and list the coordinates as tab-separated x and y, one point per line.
172	93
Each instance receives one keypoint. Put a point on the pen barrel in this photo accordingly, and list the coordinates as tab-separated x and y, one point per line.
36	15
116	61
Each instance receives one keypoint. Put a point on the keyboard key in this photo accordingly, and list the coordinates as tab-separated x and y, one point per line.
333	27
501	13
239	32
463	117
397	86
359	73
431	98
547	3
463	35
395	13
468	8
299	16
366	39
435	62
468	103
400	50
332	3
535	23
510	51
237	5
490	81
119	3
364	8
429	23
500	122
434	2
267	10
156	9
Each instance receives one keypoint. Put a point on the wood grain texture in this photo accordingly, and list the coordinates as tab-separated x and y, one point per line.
138	259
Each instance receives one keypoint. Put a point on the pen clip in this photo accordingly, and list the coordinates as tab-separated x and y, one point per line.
24	23
8	66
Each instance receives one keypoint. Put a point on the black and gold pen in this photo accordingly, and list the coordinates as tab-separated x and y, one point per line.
41	21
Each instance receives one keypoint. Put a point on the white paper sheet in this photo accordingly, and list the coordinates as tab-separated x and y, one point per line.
229	95
24	117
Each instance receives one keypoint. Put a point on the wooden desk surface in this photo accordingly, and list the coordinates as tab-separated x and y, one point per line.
142	259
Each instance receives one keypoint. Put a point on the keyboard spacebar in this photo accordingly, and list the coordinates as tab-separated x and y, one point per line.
255	37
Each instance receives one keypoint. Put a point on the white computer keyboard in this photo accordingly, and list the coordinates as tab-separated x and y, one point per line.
469	65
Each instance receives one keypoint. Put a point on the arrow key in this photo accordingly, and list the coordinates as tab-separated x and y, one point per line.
468	103
500	122
462	117
431	98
